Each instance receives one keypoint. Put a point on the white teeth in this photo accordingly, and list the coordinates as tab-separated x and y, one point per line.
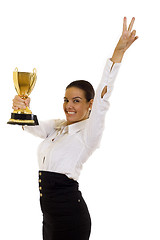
71	112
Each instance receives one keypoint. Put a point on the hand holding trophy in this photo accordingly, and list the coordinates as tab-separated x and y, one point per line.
24	83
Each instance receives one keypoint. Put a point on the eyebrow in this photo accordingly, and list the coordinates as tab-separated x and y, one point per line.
73	98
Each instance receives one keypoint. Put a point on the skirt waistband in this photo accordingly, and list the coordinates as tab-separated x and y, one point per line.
56	183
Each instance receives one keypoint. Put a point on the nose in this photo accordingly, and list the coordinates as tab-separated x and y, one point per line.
69	105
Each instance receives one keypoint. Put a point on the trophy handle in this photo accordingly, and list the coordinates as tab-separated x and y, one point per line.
34	70
15	80
33	80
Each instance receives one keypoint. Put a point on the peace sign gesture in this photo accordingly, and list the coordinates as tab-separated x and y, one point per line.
127	38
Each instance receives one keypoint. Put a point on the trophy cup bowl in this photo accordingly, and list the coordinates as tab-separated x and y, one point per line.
24	83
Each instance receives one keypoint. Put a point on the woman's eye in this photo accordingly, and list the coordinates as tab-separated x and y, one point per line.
75	100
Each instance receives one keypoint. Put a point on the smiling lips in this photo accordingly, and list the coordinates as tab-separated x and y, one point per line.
70	113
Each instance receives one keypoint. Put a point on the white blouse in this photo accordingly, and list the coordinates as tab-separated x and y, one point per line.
66	148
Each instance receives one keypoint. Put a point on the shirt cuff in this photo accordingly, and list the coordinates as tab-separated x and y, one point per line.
112	66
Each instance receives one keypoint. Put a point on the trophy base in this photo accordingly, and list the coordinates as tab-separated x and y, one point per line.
23	119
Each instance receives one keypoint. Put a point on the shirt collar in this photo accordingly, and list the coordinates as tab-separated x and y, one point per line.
72	128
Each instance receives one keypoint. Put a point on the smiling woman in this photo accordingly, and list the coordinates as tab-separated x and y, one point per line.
68	144
78	101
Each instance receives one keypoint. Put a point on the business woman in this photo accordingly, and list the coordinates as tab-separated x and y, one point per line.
68	144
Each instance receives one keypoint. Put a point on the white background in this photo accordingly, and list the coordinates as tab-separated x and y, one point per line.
66	41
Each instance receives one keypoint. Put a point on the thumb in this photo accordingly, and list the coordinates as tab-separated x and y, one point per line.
27	101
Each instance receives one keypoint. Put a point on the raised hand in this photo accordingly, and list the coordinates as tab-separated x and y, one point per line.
127	38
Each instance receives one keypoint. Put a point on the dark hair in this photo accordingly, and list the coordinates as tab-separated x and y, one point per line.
85	86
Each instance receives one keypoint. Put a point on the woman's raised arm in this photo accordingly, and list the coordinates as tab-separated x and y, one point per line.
101	104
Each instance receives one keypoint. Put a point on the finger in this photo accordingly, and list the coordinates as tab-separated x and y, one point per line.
18	98
27	101
136	38
18	102
15	108
132	40
131	24
19	106
133	34
124	24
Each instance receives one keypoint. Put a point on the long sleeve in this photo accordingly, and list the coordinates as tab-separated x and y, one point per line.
44	129
96	122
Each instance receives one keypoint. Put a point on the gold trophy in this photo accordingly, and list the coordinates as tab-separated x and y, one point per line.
24	83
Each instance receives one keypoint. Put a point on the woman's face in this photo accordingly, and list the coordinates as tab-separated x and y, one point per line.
75	105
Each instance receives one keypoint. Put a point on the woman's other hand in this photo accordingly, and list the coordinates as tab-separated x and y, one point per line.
127	38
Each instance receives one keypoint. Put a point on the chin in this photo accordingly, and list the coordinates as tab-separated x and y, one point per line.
71	121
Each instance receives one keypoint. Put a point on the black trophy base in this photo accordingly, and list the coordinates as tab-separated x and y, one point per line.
23	119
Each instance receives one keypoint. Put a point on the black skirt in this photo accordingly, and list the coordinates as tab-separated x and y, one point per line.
65	213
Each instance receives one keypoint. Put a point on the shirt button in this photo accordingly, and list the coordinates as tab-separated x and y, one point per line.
40	188
40	180
79	200
41	195
40	174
